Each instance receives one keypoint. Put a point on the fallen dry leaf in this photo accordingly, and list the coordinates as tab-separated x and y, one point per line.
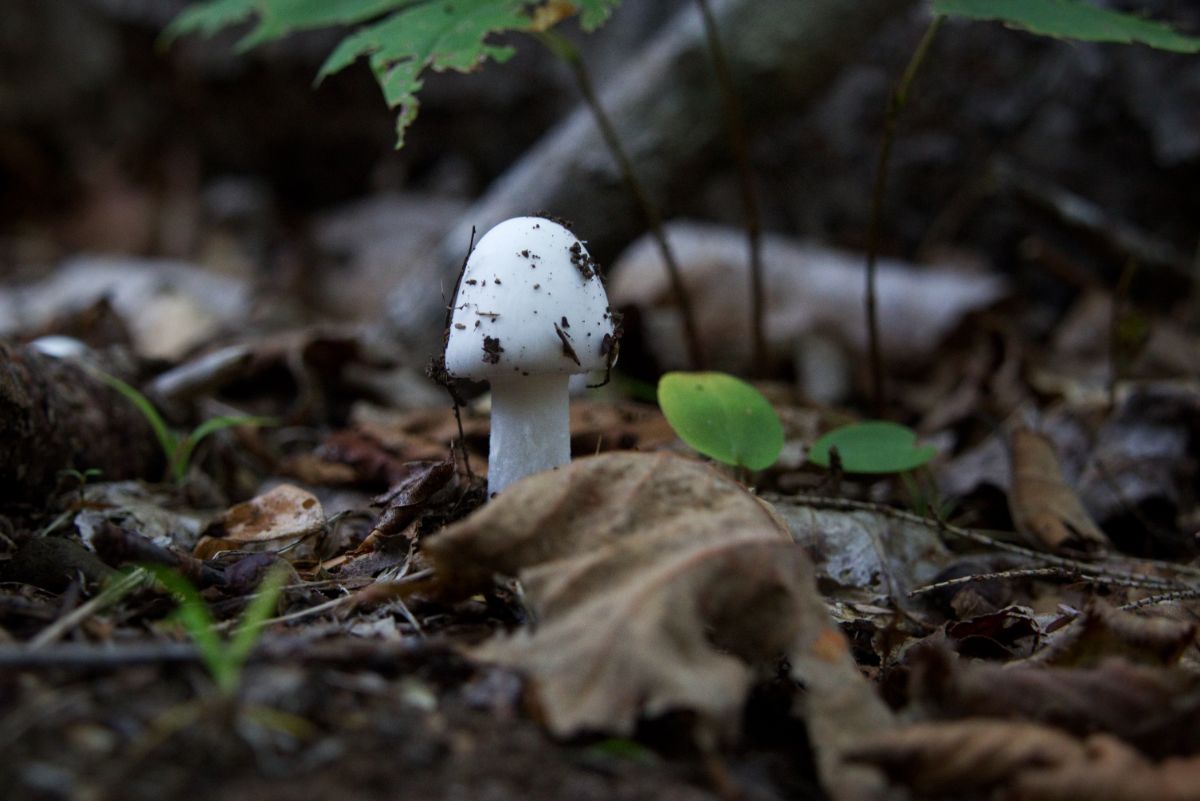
1103	631
280	517
605	426
1043	505
403	502
658	584
1004	633
374	462
1026	762
1157	710
1112	771
967	755
865	555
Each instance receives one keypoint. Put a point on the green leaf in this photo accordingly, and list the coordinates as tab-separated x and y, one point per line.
1072	19
440	35
166	439
401	38
224	660
258	611
275	18
874	446
722	417
210	17
183	453
193	613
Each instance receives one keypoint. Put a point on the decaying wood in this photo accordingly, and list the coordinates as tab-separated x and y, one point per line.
55	415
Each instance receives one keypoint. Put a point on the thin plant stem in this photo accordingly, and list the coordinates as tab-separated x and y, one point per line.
437	368
739	143
896	103
569	54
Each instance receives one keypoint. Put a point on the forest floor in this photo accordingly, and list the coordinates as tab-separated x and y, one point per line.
1015	619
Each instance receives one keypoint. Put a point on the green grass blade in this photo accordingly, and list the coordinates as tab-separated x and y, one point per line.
193	613
258	611
183	453
166	439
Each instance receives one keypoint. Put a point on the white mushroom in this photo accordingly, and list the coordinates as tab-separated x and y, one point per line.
530	312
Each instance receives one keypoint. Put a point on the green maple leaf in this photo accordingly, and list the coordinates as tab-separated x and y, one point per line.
1072	19
400	38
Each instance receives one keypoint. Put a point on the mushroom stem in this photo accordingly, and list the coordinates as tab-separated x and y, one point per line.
530	427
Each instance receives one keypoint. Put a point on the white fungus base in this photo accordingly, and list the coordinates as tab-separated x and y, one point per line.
531	429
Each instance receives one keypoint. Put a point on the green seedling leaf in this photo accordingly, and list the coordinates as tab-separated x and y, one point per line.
722	417
257	613
874	446
223	660
192	613
183	452
179	451
400	38
166	439
1072	19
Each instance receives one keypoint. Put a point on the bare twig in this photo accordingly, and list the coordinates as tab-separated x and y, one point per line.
739	144
1024	572
896	103
1111	568
569	54
1166	597
114	591
1044	572
291	649
346	600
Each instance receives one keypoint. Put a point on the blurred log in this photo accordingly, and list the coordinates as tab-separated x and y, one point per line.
55	415
666	108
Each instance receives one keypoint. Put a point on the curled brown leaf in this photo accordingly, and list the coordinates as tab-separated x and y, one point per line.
1044	507
658	584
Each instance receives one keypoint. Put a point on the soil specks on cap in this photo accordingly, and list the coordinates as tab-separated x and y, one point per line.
492	350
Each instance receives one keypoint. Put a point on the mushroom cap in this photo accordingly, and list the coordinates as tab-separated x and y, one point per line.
530	301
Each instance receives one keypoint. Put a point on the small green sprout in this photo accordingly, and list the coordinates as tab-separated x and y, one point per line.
722	417
224	659
177	449
872	446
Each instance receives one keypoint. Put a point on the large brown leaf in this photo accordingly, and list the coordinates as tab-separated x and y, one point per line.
1155	709
1026	762
658	584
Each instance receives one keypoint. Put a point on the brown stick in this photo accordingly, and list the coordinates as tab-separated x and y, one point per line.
109	656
